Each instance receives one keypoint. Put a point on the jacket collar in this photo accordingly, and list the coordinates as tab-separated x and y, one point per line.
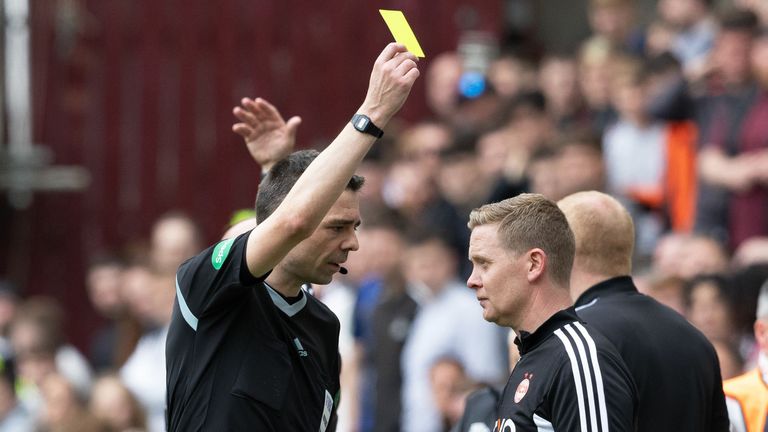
526	342
616	285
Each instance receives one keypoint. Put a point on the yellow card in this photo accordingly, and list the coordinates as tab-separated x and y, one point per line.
402	32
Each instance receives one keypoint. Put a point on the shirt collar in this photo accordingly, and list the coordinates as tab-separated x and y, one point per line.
616	285
284	306
526	342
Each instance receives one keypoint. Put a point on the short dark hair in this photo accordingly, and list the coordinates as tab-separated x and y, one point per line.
739	19
720	281
281	178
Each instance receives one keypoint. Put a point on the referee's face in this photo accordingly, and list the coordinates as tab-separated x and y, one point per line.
498	277
319	257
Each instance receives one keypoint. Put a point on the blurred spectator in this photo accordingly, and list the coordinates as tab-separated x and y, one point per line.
558	78
745	284
103	279
702	255
461	180
448	323
688	255
112	343
660	37
480	406
748	215
709	308
151	299
14	417
579	163
422	145
731	200
669	98
115	407
414	196
240	227
695	31
595	59
442	85
480	113
759	7
382	317
374	169
752	251
175	238
731	363
450	388
634	150
668	101
614	22
37	336
654	130
492	148
64	410
542	173
392	321
527	129
666	255
510	74
9	303
464	185
747	395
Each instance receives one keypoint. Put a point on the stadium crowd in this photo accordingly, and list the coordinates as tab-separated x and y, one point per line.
671	119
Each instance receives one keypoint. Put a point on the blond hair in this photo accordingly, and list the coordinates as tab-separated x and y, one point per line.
530	221
605	234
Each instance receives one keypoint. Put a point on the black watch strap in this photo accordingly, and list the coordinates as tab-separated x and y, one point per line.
364	124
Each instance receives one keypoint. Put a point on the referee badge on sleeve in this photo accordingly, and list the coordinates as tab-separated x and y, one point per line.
220	252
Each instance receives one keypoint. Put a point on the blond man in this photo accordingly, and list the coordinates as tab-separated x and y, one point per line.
569	377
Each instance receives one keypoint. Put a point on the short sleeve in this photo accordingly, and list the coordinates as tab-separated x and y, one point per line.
215	278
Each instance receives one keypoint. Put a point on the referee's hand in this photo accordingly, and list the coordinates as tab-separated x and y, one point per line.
392	78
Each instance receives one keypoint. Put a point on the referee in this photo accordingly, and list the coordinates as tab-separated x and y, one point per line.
568	378
248	349
674	366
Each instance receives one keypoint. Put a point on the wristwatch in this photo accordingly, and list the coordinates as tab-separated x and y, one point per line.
364	124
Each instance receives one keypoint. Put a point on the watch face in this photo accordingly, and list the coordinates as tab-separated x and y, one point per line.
361	123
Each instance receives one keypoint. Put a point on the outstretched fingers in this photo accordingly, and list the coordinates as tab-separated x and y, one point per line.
244	116
257	108
242	129
268	110
293	124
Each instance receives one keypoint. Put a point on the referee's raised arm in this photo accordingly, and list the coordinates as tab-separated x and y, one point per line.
392	77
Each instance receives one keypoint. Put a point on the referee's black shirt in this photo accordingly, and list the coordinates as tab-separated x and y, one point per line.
674	366
569	378
241	358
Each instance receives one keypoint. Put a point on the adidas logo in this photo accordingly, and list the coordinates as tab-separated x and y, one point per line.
299	348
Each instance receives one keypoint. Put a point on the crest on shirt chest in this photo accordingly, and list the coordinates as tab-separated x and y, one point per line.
522	388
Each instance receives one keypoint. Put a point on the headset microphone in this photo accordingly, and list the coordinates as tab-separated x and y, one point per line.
343	270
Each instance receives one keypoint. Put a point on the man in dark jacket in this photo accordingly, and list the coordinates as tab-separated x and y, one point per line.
674	367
